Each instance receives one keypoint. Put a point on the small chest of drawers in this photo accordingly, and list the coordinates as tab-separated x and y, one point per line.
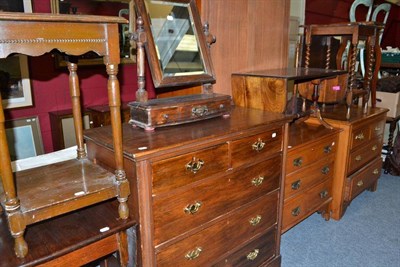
205	193
358	165
309	172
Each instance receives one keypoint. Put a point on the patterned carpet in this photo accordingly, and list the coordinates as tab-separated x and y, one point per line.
368	235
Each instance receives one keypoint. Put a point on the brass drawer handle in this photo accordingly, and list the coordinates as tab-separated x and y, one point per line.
257	181
255	220
298	162
375	147
323	194
199	111
358	158
193	254
360	136
253	255
194	165
193	208
296	211
376	171
360	183
327	149
296	185
259	145
325	170
377	128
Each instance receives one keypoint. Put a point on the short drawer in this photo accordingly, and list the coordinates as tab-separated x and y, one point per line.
319	194
359	136
363	179
188	168
253	254
256	147
362	155
298	158
225	235
303	179
377	127
180	212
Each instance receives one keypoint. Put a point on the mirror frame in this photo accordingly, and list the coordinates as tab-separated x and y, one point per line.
158	79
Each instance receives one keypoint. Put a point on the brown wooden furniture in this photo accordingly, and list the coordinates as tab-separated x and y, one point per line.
72	239
38	194
277	90
388	165
102	117
358	162
204	193
62	128
353	32
309	172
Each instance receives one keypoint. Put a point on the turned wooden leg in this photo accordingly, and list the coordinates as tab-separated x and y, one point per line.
123	248
76	108
115	112
12	207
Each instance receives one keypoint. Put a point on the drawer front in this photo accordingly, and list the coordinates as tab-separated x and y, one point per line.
256	147
319	194
253	254
294	210
301	157
360	136
178	171
302	180
377	128
178	213
362	155
363	179
223	236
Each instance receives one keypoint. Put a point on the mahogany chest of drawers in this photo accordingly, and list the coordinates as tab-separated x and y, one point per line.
309	172
358	164
206	193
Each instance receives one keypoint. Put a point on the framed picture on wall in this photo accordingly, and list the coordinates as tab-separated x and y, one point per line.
24	138
15	86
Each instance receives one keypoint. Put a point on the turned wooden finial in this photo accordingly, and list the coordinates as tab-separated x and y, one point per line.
140	37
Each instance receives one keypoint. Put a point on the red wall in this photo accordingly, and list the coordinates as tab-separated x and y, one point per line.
332	11
50	86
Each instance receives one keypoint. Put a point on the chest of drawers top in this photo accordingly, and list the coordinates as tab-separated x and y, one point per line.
166	142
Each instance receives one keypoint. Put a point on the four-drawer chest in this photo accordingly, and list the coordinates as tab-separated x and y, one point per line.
204	193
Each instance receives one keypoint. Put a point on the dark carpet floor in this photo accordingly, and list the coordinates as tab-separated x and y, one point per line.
368	235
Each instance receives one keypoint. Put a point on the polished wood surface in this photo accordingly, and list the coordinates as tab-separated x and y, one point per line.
72	35
73	239
363	130
310	164
203	190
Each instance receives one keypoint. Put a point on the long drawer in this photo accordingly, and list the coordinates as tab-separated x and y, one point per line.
176	214
296	208
256	252
201	248
301	157
303	179
363	154
363	179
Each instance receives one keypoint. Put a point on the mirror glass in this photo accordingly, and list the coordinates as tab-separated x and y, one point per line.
175	45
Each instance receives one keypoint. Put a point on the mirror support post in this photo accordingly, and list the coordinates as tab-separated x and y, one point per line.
140	38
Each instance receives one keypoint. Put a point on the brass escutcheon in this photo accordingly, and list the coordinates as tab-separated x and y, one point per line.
375	147
259	145
253	255
327	149
358	158
377	128
360	136
194	165
255	220
323	194
325	170
193	208
193	254
360	183
257	181
376	171
199	111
